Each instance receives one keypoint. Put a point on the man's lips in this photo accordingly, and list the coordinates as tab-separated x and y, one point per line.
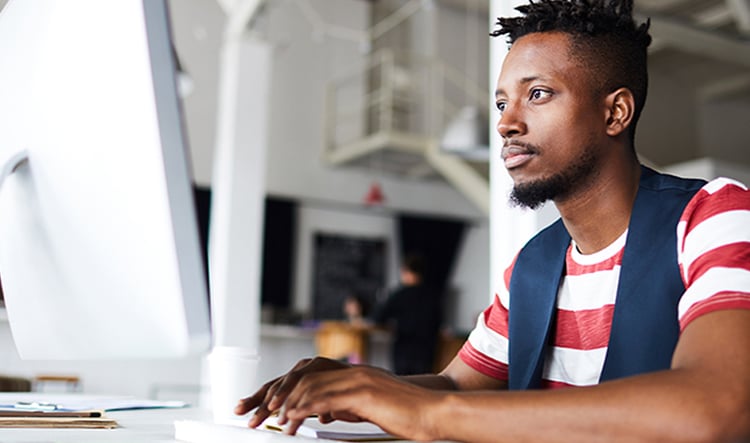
515	154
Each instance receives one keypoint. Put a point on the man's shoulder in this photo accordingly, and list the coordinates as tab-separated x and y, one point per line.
724	185
719	196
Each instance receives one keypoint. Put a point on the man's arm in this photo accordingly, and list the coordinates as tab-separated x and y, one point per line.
457	376
704	397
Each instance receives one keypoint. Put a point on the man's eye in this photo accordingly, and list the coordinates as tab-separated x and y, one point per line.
538	94
501	106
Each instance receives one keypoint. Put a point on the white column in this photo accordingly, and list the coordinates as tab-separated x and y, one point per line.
510	228
238	184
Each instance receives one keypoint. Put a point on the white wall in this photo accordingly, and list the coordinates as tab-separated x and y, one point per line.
667	131
724	130
471	279
709	168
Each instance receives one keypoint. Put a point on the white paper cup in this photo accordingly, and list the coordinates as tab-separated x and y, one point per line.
232	373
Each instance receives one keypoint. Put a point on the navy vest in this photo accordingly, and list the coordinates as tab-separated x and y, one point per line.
645	328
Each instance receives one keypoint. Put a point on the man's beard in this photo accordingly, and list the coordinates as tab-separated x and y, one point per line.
559	186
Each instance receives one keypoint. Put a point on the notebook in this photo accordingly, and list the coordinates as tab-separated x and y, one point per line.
17	418
58	422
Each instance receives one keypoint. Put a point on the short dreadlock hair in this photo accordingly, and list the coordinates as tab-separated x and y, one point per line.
604	38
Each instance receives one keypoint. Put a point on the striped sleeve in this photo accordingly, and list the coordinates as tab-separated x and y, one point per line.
713	238
486	350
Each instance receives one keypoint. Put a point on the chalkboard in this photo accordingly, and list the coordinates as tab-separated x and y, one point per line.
344	266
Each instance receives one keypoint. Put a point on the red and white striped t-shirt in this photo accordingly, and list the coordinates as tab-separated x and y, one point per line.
713	244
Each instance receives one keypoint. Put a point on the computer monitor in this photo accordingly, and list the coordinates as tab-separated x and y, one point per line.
99	249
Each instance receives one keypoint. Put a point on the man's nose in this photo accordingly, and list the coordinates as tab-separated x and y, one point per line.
511	122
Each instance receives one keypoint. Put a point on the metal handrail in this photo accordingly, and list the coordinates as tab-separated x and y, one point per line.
378	103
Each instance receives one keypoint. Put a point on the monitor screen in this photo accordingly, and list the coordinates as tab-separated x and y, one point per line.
99	247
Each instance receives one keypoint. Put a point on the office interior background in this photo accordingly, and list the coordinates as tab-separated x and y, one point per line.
394	95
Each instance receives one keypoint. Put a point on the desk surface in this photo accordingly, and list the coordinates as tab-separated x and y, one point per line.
147	425
152	426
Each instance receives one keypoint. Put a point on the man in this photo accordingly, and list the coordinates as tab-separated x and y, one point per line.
639	296
414	313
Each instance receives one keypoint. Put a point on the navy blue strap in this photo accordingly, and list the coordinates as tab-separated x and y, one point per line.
532	304
645	327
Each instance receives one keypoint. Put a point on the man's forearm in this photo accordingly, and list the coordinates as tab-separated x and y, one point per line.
659	407
431	381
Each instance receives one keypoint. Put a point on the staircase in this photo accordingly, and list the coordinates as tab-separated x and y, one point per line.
391	113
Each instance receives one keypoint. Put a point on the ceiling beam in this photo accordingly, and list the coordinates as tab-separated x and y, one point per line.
699	42
714	17
741	11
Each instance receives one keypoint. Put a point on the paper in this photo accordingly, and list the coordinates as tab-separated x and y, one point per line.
337	430
79	402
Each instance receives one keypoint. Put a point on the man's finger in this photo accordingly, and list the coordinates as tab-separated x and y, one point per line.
259	416
245	405
293	425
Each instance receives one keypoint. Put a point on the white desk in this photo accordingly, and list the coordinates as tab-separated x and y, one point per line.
147	425
153	426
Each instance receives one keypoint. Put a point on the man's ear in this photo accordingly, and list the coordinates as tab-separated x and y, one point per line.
620	111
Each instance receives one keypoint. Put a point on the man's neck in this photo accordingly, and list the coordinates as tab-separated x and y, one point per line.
597	215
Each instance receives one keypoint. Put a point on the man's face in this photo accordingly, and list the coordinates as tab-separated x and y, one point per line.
551	120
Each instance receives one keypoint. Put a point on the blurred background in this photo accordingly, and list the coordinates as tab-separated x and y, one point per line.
378	120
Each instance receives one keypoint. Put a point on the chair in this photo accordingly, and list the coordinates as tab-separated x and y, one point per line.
342	341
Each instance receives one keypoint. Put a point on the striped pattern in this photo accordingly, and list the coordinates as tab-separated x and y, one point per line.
713	238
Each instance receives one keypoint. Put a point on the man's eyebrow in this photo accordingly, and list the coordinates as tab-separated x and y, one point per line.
524	81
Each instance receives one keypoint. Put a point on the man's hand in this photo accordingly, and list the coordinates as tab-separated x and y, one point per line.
363	393
272	395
